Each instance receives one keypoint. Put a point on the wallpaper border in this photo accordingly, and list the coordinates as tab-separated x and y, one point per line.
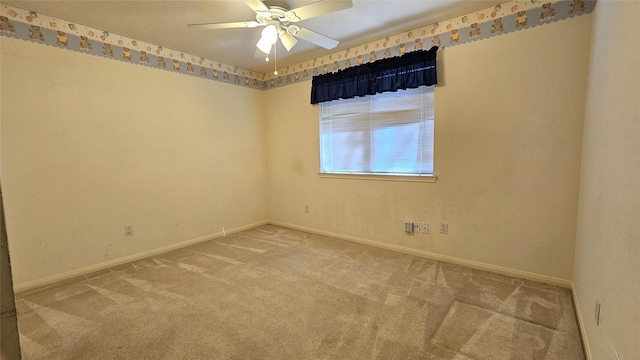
504	18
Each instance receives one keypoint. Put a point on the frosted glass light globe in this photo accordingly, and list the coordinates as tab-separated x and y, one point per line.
270	34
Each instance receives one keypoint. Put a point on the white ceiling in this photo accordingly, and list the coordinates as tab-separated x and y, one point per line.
164	23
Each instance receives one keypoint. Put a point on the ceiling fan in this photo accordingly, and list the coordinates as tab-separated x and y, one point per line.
279	22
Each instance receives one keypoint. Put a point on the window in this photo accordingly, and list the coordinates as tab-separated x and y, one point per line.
389	133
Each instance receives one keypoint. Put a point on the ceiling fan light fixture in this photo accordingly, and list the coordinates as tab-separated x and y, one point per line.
264	45
270	34
288	41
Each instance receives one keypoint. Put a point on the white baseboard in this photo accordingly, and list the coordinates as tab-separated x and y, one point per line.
581	328
127	259
438	257
405	250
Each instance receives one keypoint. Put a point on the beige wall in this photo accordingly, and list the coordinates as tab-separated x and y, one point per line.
607	256
508	130
91	144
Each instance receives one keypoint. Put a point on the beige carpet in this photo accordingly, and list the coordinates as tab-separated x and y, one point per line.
275	293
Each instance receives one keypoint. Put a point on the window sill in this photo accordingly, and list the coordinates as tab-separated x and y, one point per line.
406	178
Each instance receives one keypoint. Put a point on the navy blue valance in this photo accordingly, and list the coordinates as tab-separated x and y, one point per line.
408	71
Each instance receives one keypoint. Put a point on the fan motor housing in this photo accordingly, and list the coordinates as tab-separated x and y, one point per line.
278	10
277	5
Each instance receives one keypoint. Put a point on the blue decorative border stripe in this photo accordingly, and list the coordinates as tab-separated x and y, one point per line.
93	47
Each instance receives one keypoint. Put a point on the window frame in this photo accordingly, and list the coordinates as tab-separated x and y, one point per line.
381	176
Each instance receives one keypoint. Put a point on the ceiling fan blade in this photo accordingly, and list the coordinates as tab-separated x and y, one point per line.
240	24
287	40
257	5
316	9
318	39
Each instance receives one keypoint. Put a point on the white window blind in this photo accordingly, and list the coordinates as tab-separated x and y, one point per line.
389	134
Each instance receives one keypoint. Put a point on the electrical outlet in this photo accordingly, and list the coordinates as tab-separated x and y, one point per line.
306	208
408	227
424	228
444	228
128	230
416	227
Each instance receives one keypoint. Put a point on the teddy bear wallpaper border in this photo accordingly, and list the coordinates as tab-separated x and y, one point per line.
501	19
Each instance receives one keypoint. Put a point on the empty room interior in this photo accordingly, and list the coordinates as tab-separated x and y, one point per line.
168	193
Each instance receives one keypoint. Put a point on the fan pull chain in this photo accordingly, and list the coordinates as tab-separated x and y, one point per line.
275	59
